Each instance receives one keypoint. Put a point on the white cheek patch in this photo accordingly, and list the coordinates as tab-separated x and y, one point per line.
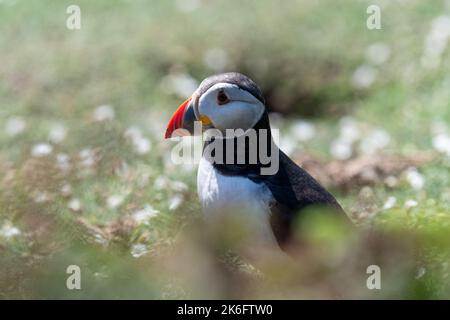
240	115
242	112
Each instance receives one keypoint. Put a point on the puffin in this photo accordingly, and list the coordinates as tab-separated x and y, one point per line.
272	197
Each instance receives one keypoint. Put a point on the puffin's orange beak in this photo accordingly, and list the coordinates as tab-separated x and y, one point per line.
182	118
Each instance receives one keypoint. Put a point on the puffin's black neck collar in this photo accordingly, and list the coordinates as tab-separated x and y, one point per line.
248	167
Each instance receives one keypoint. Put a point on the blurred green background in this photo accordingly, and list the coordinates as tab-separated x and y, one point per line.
86	178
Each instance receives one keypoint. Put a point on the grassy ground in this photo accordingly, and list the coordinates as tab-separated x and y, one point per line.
86	177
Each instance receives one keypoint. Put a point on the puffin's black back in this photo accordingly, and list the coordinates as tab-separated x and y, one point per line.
293	189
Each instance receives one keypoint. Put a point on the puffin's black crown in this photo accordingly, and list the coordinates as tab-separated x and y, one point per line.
236	78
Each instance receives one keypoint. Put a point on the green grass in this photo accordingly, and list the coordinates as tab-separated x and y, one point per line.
303	54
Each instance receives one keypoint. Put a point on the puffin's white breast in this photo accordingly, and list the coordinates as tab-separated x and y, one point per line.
219	193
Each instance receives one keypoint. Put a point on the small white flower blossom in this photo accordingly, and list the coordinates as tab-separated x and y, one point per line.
378	53
63	161
101	240
9	231
138	250
303	130
41	150
375	141
141	144
74	205
341	150
57	133
436	42
181	84
391	181
87	157
15	126
133	133
104	112
349	130
364	76
179	186
441	142
415	179
411	203
390	203
175	202
420	272
161	183
143	215
114	201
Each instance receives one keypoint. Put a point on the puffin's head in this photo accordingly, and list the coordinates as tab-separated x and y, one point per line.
223	101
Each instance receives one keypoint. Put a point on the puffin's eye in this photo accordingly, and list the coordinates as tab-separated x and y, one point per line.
222	98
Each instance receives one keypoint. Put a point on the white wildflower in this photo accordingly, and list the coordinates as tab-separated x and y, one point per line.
57	133
181	84
179	186
175	202
420	272
441	142
411	203
133	133
161	183
8	230
41	150
349	130
366	192
87	157
138	250
390	203
101	240
436	42
364	76
114	201
143	215
303	130
378	53
14	126
141	144
375	141
341	150
63	161
391	181
104	112
415	179
74	205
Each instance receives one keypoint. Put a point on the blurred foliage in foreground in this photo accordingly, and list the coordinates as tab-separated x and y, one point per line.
86	178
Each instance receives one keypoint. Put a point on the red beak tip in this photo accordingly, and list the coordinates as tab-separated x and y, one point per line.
176	121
